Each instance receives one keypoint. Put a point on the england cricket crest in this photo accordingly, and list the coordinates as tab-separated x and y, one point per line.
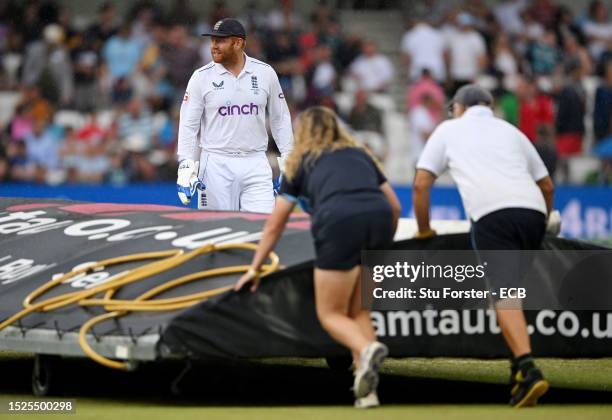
254	85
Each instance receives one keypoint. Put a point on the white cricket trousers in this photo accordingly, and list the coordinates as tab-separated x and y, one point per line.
236	182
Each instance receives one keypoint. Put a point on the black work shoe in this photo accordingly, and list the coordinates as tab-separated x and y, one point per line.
527	387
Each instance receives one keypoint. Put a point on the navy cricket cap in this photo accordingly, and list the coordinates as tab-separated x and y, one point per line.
227	27
470	95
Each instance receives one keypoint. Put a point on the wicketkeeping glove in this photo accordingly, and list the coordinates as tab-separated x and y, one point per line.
187	182
277	181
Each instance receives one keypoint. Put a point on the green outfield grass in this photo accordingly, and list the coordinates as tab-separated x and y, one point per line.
585	374
414	388
88	409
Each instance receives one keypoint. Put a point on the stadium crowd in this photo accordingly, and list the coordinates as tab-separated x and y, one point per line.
99	98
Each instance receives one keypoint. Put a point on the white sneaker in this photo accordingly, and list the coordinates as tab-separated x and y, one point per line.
369	401
366	376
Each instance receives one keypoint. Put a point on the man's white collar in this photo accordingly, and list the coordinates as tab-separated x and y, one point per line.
478	111
248	66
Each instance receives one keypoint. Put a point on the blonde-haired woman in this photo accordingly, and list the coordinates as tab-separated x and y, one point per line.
352	208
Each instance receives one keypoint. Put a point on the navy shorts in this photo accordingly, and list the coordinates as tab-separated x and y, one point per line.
512	229
340	237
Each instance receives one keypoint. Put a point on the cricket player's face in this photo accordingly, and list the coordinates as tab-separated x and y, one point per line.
224	49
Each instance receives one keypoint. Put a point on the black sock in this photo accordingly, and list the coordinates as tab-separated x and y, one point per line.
523	362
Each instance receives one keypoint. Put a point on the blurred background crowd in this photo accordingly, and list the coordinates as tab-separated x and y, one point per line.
94	97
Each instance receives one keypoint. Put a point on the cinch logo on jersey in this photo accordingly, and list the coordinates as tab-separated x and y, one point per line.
248	109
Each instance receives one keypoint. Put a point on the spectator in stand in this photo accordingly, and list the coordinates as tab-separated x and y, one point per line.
47	64
348	51
84	162
425	85
544	55
468	52
42	152
323	72
327	101
364	116
602	110
21	124
105	26
543	12
85	64
569	122
12	57
367	124
5	168
508	15
423	119
372	70
91	132
29	21
484	20
565	25
573	50
253	19
152	72
322	14
284	18
598	30
122	54
283	54
505	59
253	49
532	31
64	20
142	18
434	10
18	162
180	57
424	47
535	109
545	146
181	14
602	125
506	100
35	107
136	122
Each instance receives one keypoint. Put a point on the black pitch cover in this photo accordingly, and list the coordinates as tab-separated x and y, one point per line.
43	238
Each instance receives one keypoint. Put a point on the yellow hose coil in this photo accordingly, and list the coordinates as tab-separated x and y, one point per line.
166	260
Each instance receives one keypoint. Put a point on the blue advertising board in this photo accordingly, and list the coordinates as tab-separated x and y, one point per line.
586	211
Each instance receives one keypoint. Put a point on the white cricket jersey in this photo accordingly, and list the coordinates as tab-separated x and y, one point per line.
493	164
225	114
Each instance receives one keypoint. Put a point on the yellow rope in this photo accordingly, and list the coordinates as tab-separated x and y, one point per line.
166	260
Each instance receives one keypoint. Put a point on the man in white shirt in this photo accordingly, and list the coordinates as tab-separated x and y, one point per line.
373	71
507	193
468	51
223	124
508	15
598	31
424	47
422	123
